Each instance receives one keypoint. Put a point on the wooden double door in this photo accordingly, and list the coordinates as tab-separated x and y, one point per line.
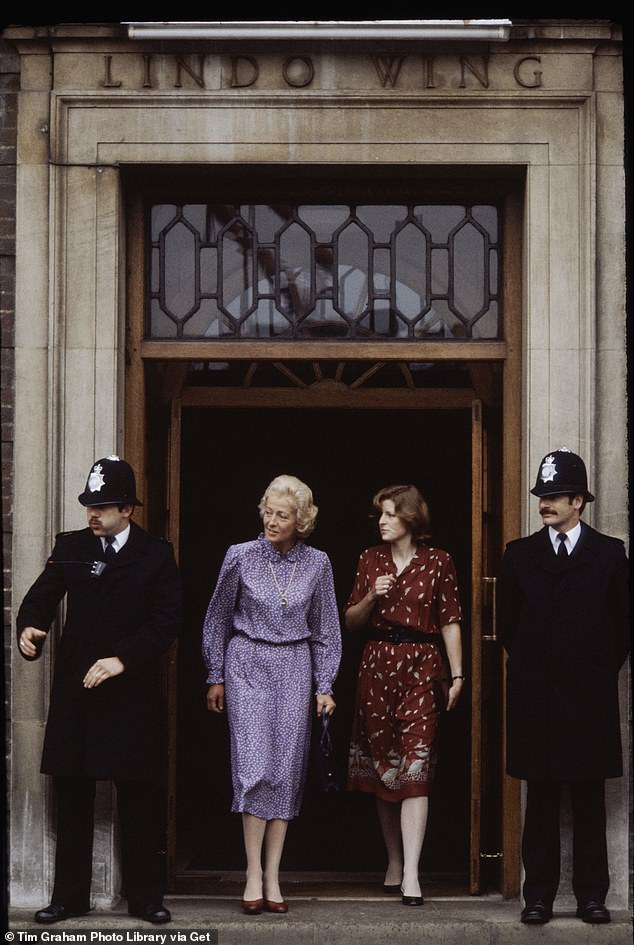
224	448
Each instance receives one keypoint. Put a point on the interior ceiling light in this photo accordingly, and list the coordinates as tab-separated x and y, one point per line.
484	30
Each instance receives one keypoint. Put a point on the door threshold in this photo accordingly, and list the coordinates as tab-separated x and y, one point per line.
321	886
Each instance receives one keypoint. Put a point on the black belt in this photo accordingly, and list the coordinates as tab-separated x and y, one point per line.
403	635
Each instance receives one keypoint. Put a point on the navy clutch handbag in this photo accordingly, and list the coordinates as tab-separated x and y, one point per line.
326	758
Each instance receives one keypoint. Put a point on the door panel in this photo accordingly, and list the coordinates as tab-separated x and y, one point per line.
476	647
486	682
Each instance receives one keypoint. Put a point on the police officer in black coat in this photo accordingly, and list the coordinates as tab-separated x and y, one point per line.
123	598
563	617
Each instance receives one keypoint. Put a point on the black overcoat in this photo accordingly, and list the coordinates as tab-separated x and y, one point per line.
565	628
132	611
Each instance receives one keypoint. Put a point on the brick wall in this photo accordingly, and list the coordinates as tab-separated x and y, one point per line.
9	82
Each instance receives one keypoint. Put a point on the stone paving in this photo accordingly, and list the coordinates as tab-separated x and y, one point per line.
484	920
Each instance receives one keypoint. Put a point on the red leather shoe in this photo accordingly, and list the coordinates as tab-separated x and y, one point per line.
252	906
279	907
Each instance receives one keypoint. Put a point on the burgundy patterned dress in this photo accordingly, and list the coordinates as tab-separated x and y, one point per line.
392	750
273	656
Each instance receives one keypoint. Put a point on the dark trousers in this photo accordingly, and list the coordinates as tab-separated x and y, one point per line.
139	808
541	844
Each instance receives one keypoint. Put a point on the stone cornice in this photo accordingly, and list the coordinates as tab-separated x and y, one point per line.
533	30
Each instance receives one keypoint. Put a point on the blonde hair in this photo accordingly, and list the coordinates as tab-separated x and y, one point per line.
300	498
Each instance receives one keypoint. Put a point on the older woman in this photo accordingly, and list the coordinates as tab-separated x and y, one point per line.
406	592
272	645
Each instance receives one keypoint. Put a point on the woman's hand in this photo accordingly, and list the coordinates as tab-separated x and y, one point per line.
452	637
357	616
325	702
103	669
454	693
383	585
216	697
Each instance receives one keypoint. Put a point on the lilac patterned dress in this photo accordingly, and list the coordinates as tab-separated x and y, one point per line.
272	658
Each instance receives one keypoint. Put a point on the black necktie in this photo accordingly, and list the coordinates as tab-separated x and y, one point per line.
562	551
109	552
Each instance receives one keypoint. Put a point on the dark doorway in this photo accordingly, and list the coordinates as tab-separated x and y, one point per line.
228	457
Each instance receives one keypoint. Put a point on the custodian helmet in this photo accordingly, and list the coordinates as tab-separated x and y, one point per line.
110	482
562	472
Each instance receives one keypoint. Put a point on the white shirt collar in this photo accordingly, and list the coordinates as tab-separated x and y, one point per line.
119	540
572	537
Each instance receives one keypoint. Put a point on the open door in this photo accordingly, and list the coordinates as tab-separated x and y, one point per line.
486	852
477	539
173	495
483	734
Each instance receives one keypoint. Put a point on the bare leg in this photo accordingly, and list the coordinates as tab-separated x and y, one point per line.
390	821
253	829
274	838
414	812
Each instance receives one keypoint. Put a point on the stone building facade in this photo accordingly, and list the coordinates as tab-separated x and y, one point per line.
153	182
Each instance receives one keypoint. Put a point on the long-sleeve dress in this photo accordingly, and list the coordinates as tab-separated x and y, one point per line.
392	750
272	636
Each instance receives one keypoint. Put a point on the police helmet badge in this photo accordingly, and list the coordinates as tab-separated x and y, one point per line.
95	479
548	470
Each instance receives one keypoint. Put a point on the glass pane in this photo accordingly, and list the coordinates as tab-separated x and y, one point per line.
382	221
323	221
323	270
297	291
468	270
180	248
208	322
236	270
352	274
410	247
162	326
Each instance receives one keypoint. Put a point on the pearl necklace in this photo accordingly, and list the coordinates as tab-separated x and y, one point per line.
283	593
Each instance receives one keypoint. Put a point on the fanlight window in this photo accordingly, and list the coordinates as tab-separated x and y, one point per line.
330	271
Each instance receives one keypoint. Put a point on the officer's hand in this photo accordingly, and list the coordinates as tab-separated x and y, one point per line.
216	697
102	670
30	641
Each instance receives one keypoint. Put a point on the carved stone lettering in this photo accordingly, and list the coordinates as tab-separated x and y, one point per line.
298	72
537	73
428	72
387	69
244	72
183	66
108	82
147	75
482	77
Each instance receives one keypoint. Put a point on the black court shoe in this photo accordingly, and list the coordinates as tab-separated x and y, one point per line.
412	900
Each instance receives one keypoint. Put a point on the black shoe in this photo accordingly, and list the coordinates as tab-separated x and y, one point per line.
55	913
593	911
392	890
157	914
412	900
536	913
